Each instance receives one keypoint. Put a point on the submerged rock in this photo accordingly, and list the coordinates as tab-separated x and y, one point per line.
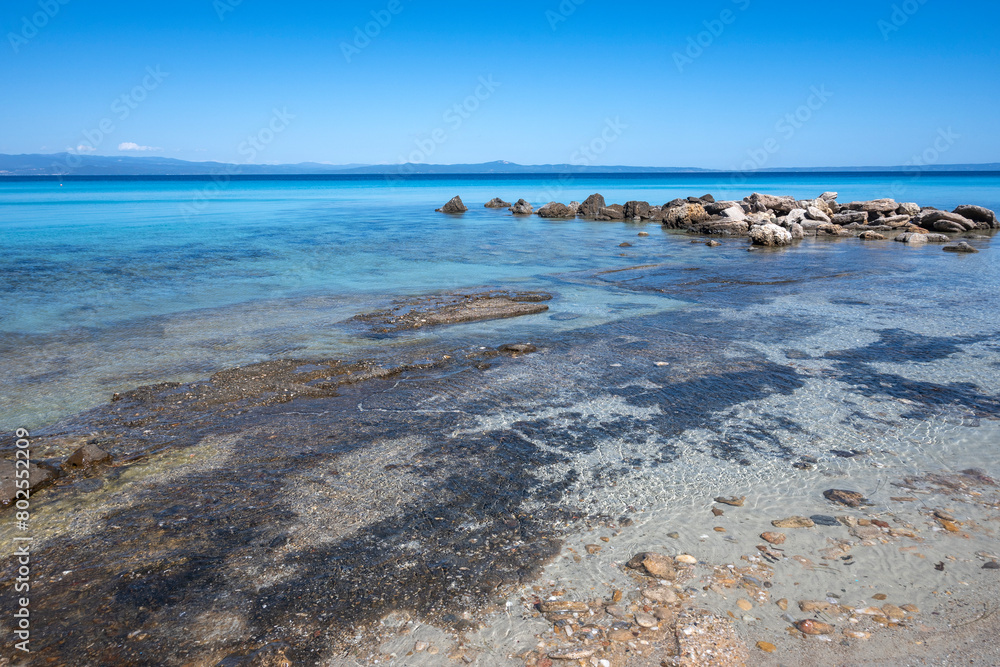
794	522
848	498
454	206
455	308
518	348
85	457
961	246
871	236
39	476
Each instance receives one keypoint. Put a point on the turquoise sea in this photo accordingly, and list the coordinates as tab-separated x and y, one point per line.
342	511
106	285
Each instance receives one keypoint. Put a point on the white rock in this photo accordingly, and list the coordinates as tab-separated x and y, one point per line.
770	235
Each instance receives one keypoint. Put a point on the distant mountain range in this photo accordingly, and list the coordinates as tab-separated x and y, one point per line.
68	164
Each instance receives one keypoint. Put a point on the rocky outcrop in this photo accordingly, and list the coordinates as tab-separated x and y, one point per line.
721	228
848	217
908	208
873	206
555	210
733	213
942	221
496	202
814	213
780	205
683	215
454	206
637	209
829	229
521	207
770	235
591	206
613	212
978	214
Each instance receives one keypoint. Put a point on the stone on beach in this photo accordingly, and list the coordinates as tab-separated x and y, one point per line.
454	206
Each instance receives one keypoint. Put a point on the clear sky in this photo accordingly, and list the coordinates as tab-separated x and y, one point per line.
718	84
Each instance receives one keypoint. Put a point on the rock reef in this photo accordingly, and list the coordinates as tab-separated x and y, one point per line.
760	216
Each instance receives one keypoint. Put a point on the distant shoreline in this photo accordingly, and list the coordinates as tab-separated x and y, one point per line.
478	176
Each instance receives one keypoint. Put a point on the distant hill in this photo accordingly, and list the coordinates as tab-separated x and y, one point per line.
99	165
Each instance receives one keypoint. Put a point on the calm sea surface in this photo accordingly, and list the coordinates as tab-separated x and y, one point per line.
106	285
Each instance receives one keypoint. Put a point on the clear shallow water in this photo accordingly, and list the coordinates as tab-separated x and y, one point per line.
105	285
665	376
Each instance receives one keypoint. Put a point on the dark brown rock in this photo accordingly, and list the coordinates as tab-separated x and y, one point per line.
39	475
496	202
453	207
848	498
554	210
637	209
86	456
591	206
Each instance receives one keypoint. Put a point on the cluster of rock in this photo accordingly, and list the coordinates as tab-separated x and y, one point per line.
774	220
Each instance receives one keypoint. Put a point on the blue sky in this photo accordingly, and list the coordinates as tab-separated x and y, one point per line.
724	84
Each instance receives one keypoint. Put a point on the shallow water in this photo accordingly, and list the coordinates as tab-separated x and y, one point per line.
668	373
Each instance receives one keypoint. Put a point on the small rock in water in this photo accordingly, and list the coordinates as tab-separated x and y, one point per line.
687	559
592	548
717	512
518	348
824	520
911	608
794	522
733	501
961	246
420	647
661	594
719	529
782	604
745	605
674	536
643	234
879	596
849	498
713	244
773	538
812	627
767	647
86	456
615	611
991	565
621	636
854	634
944	516
562	605
655	564
625	245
